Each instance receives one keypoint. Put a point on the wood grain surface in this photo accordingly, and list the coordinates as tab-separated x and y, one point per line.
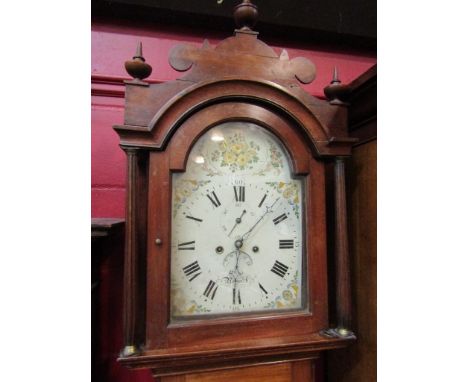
274	373
299	371
358	363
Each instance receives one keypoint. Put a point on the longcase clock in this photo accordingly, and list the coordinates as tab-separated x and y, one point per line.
226	247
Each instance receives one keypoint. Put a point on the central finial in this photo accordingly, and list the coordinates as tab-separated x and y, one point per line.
245	15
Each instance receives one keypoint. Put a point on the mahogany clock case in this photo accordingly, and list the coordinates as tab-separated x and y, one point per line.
152	172
241	79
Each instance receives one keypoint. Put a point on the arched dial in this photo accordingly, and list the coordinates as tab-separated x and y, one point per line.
237	236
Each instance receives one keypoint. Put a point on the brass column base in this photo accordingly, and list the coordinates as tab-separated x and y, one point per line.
129	351
338	333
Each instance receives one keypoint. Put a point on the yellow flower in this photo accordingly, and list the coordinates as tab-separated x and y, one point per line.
288	193
287	295
241	160
237	148
295	288
191	309
229	157
281	184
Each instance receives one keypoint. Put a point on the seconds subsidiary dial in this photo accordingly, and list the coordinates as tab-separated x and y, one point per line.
237	232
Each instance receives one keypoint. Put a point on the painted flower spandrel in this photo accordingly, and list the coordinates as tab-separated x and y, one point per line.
288	191
183	189
288	297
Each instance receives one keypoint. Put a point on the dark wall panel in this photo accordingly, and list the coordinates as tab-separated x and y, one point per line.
345	22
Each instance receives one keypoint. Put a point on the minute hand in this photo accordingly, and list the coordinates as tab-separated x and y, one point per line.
268	209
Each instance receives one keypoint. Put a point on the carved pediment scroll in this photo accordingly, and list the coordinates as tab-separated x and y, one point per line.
241	55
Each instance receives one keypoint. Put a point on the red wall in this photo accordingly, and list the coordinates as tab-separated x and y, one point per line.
113	44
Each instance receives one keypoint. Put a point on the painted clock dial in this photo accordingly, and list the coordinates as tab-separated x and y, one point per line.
237	226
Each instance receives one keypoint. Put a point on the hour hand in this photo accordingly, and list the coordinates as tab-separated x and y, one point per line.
238	221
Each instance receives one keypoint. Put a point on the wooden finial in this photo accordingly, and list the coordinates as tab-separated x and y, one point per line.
139	51
336	92
335	75
245	15
137	67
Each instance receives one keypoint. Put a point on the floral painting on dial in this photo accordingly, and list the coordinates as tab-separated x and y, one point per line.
236	153
240	150
183	189
289	297
289	191
232	150
274	162
181	306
